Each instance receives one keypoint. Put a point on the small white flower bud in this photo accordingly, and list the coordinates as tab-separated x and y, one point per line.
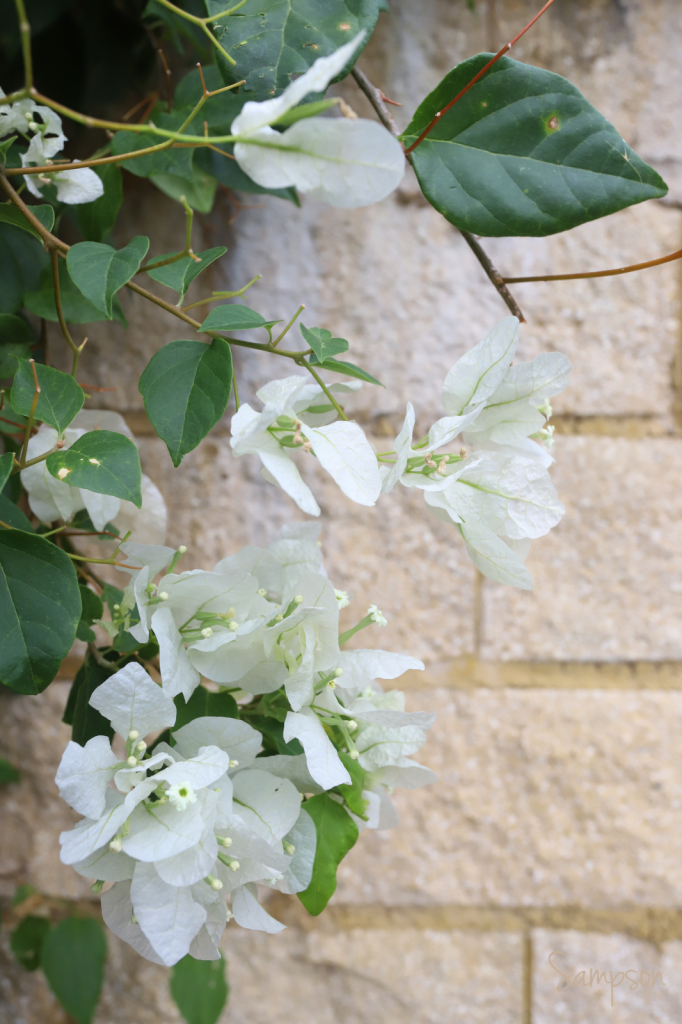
214	882
229	915
342	597
132	761
338	673
261	592
207	632
351	726
354	754
376	616
224	841
97	886
233	625
116	845
133	734
141	746
233	762
163	596
182	549
117	607
34	126
289	848
278	618
298	599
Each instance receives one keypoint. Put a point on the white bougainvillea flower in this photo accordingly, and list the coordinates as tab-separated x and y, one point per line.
346	163
324	763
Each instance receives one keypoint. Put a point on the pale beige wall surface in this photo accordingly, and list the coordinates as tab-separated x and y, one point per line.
555	824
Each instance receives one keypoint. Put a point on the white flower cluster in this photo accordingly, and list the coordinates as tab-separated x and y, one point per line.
50	498
44	129
496	489
179	827
345	162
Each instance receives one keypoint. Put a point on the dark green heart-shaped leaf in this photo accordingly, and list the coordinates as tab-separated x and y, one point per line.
322	343
204	703
8	773
22	258
164	161
179	275
60	398
99	271
92	608
186	388
96	219
73	962
27	941
6	464
11	215
198	189
341	366
40	608
13	516
76	307
15	342
234	317
101	461
86	721
523	153
274	41
199	989
337	833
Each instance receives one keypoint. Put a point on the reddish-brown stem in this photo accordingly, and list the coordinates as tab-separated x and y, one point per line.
598	273
500	53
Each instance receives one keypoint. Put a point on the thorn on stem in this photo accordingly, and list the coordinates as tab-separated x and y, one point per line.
35	375
201	75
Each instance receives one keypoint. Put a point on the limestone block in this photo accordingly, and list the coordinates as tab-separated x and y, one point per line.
395	555
544	798
361	976
608	579
646	979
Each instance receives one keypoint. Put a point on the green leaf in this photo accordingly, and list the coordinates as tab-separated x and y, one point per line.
6	463
341	366
76	308
73	963
100	271
321	342
27	941
15	342
21	893
198	189
96	219
523	153
352	793
234	317
11	422
22	259
101	461
8	773
203	702
336	835
199	989
186	387
165	161
272	41
92	608
84	720
40	608
272	732
5	146
60	398
11	215
180	275
13	516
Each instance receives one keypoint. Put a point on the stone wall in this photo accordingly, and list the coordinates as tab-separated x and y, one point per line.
554	827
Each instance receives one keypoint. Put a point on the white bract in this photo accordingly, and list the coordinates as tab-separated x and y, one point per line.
179	827
51	498
346	163
43	127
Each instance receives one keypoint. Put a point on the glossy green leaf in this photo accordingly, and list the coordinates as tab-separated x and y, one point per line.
337	833
272	732
523	153
76	307
8	773
92	608
60	398
273	41
352	793
26	941
99	271
6	463
96	219
40	608
321	342
234	317
180	275
15	342
11	215
198	189
186	387
341	366
22	259
199	989
202	703
164	161
101	461
84	720
73	962
13	516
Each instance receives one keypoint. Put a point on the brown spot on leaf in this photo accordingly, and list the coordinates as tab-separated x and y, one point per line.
553	123
344	26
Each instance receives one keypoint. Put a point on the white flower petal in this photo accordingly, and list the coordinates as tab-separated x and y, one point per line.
191	865
162	831
248	912
346	454
102	508
303	837
110	867
130	699
117	912
203	948
78	186
148	523
493	557
293	767
266	803
167	914
378	745
199	771
236	738
477	374
88	836
177	672
84	774
324	763
405	774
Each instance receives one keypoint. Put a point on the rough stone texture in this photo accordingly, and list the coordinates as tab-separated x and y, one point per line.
544	798
608	579
632	966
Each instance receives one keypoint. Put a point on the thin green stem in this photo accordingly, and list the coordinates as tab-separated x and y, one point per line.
235	389
25	33
96	162
17	468
187	251
203	25
289	325
223	295
324	387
